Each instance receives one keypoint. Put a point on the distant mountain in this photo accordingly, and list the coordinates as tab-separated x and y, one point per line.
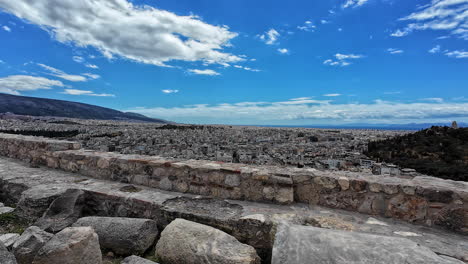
410	126
33	106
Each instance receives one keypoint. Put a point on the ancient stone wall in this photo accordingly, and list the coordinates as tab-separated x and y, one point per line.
423	200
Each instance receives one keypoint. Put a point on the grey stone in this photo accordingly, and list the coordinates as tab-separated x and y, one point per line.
63	211
188	242
35	201
6	210
29	243
124	236
72	245
5	256
136	260
9	239
296	244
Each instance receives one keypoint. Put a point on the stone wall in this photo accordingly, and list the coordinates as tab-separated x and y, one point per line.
423	200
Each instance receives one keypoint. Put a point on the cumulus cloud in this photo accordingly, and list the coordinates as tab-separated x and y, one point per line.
283	51
246	68
394	51
204	72
312	111
435	49
6	28
449	15
92	66
354	3
308	26
270	37
85	92
342	59
118	28
458	54
15	84
169	91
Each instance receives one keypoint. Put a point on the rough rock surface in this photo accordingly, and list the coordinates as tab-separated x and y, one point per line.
72	245
35	201
188	242
124	236
63	211
296	244
29	243
6	210
5	256
9	239
136	260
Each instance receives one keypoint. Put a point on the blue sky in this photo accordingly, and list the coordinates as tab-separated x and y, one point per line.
243	62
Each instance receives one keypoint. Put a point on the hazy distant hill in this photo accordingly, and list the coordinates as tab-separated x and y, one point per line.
23	105
437	151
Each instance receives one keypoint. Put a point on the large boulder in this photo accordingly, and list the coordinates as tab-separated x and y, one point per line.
302	244
72	245
5	256
29	243
186	242
136	260
63	211
9	239
35	201
124	236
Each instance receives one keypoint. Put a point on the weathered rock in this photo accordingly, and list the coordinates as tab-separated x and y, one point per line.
136	260
5	256
124	236
35	201
29	243
188	242
6	210
296	244
63	211
72	245
9	239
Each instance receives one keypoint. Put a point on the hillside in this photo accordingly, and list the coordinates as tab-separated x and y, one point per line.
33	106
437	151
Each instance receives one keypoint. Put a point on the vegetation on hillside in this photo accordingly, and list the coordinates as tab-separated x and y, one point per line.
438	151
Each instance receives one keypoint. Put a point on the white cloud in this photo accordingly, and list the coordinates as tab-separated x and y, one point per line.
435	49
6	28
92	76
169	91
459	54
246	68
204	72
332	95
15	84
92	66
270	37
342	59
60	74
323	21
394	51
283	51
308	26
309	110
354	3
144	34
85	92
78	59
433	99
449	15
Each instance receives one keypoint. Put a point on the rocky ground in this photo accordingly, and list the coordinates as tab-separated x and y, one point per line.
50	216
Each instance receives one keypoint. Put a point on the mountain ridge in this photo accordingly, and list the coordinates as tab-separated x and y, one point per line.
36	106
